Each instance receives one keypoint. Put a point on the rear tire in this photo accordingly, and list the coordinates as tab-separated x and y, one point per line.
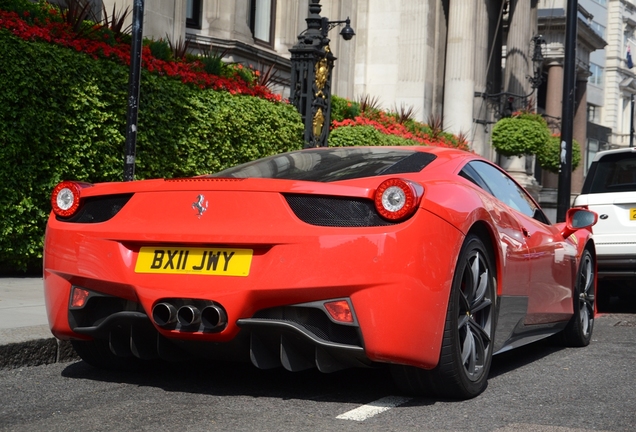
578	332
466	354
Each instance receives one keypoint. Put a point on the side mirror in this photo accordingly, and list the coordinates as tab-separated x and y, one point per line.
576	219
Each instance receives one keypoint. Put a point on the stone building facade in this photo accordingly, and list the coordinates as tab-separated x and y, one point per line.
467	62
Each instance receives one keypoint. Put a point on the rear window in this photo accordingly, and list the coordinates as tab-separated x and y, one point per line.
327	165
612	173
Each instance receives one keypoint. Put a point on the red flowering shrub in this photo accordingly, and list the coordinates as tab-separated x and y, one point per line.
52	30
389	125
42	21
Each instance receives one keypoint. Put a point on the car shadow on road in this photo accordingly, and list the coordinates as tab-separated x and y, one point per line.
350	385
232	379
623	304
522	356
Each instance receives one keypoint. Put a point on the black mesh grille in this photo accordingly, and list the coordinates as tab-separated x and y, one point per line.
98	209
335	211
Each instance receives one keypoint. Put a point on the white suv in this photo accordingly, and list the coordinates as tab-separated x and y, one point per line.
610	191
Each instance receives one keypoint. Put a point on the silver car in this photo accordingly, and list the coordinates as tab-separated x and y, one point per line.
610	191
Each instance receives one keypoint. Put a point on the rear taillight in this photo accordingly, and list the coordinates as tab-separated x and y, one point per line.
79	296
340	310
65	199
397	199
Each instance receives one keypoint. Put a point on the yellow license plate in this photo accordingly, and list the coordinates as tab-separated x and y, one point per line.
206	261
632	214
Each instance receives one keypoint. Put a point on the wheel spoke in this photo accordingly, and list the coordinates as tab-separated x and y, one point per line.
468	351
484	304
589	280
462	321
464	305
481	288
474	350
474	270
480	353
479	332
584	320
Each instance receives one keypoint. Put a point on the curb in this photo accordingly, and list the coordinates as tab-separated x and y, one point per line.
32	346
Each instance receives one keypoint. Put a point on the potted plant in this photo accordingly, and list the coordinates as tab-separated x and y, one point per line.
522	134
549	155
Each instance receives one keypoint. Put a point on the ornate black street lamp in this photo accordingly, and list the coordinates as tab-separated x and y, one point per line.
312	63
504	102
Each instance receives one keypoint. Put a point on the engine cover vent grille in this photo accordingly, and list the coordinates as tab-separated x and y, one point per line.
335	211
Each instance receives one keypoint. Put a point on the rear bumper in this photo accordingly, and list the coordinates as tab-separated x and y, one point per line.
616	266
396	279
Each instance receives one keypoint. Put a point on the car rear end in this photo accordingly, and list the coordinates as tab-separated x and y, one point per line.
610	191
277	271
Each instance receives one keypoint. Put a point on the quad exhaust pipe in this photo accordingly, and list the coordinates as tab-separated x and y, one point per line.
205	314
213	317
164	314
188	315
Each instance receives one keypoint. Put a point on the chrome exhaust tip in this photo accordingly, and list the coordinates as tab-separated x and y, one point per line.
164	314
188	315
213	317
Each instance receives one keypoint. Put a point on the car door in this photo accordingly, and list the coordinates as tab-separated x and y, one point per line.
551	262
515	274
549	257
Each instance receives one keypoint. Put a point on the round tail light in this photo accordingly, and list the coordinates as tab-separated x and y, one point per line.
397	199
65	199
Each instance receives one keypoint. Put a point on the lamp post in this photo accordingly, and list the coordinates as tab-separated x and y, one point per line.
312	63
537	61
133	90
564	190
504	102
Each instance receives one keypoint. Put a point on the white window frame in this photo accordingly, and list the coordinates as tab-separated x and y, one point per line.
596	78
263	21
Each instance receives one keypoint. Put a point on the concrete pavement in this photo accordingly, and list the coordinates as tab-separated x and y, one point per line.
25	338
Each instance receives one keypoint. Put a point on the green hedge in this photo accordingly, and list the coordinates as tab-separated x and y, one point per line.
342	108
63	116
549	156
521	135
347	136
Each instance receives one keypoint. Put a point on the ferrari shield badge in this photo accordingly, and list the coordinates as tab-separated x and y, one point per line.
200	205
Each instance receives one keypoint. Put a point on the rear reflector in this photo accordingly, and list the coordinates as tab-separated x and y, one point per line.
79	297
340	311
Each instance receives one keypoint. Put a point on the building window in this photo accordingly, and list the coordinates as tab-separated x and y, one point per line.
597	75
193	13
593	146
594	114
598	28
262	20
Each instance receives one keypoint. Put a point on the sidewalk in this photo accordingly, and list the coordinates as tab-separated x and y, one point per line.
25	338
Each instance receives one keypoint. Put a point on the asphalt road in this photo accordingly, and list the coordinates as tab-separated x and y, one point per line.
536	388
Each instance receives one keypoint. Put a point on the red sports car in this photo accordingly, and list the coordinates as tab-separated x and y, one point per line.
427	259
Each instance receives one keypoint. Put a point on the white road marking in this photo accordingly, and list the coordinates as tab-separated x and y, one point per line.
374	408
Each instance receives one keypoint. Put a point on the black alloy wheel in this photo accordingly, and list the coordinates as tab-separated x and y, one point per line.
578	332
466	355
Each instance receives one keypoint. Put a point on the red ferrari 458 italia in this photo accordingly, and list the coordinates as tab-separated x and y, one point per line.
425	259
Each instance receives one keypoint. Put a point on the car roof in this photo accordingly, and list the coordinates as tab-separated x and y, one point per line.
599	155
